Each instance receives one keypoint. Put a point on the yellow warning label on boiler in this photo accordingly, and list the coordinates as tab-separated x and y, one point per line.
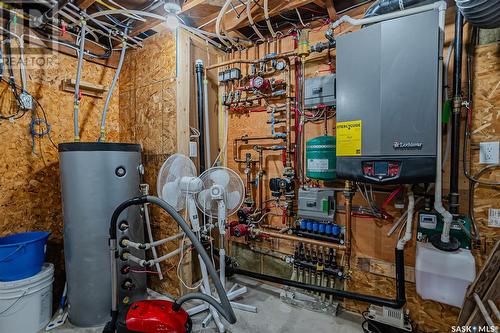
349	138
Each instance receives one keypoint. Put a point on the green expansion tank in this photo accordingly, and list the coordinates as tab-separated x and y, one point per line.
321	158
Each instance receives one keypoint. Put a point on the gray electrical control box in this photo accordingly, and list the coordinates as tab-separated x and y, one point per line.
387	101
316	203
319	91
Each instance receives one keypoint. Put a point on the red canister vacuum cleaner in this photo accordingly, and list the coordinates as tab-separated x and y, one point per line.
159	316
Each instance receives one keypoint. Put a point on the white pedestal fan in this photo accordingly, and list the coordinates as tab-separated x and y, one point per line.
222	195
220	188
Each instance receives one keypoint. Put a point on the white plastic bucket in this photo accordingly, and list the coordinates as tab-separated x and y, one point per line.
26	305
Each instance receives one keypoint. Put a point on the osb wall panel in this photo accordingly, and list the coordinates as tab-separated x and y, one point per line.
369	236
148	117
486	127
29	181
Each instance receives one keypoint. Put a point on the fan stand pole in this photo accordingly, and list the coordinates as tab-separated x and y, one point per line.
234	292
205	288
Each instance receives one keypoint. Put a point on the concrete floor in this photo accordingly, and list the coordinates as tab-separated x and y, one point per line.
273	316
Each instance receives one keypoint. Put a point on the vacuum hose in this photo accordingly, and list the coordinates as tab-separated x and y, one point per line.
224	307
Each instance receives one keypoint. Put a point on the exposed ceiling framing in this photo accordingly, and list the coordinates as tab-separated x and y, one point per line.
195	13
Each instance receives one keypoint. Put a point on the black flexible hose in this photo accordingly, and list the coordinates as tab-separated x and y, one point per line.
224	307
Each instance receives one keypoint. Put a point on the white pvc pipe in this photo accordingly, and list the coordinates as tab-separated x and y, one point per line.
401	218
409	221
438	188
389	16
251	22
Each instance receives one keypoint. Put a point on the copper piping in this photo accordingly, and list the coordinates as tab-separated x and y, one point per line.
247	61
249	200
348	194
288	116
245	139
300	239
261	183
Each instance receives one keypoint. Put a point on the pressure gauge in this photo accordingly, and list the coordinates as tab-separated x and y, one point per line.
258	82
280	65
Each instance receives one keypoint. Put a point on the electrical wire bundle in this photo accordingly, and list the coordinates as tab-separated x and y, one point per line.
39	126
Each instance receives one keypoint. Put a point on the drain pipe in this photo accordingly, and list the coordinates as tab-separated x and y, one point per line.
409	220
443	241
83	25
455	116
199	104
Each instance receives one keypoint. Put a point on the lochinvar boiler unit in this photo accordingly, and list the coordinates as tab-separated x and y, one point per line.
387	100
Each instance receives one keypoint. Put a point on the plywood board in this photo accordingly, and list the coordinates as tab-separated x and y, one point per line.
29	181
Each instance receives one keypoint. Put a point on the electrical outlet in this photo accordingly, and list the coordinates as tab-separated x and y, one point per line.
489	152
193	149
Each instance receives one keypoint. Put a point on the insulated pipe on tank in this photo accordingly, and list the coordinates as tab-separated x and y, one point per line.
224	307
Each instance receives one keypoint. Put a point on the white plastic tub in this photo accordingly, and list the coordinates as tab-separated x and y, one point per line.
443	276
26	305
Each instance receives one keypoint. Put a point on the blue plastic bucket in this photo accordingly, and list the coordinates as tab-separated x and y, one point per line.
22	255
